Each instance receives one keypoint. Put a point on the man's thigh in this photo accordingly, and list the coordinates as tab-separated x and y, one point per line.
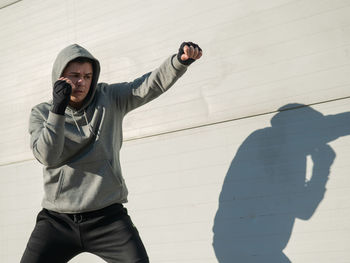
52	240
116	240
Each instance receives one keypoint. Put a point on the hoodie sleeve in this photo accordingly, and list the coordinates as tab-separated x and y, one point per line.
146	88
46	136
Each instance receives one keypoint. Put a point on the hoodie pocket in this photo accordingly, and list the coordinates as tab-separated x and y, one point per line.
112	174
88	184
59	185
53	181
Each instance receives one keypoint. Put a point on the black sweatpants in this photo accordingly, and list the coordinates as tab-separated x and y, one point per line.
107	233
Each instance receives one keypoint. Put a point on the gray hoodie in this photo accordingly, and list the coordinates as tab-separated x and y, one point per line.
80	150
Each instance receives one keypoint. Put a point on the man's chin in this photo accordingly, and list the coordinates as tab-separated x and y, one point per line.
77	99
76	103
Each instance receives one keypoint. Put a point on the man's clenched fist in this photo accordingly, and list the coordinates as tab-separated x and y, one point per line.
188	53
61	96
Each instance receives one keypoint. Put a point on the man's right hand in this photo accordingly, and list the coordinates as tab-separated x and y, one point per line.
62	90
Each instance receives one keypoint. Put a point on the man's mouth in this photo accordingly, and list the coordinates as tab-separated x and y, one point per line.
78	91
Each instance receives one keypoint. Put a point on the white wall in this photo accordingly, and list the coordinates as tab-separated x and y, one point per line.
204	155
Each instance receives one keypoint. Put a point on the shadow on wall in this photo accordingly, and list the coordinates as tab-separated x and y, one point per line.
266	187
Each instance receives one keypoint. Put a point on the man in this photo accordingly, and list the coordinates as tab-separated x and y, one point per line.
77	137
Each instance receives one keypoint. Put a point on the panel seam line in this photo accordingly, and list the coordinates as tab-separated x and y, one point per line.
235	119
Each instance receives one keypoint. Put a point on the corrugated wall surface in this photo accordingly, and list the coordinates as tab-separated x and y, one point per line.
216	173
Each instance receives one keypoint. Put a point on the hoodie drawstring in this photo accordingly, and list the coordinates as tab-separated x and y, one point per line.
76	124
87	123
78	127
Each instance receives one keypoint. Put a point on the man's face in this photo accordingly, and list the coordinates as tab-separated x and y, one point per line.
80	75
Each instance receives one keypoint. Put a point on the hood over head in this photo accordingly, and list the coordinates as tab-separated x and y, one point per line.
70	53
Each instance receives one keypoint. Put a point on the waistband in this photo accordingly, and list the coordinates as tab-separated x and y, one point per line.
80	217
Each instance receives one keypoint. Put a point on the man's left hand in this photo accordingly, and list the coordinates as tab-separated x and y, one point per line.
189	52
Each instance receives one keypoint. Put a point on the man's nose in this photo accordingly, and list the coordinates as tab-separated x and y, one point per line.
81	81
